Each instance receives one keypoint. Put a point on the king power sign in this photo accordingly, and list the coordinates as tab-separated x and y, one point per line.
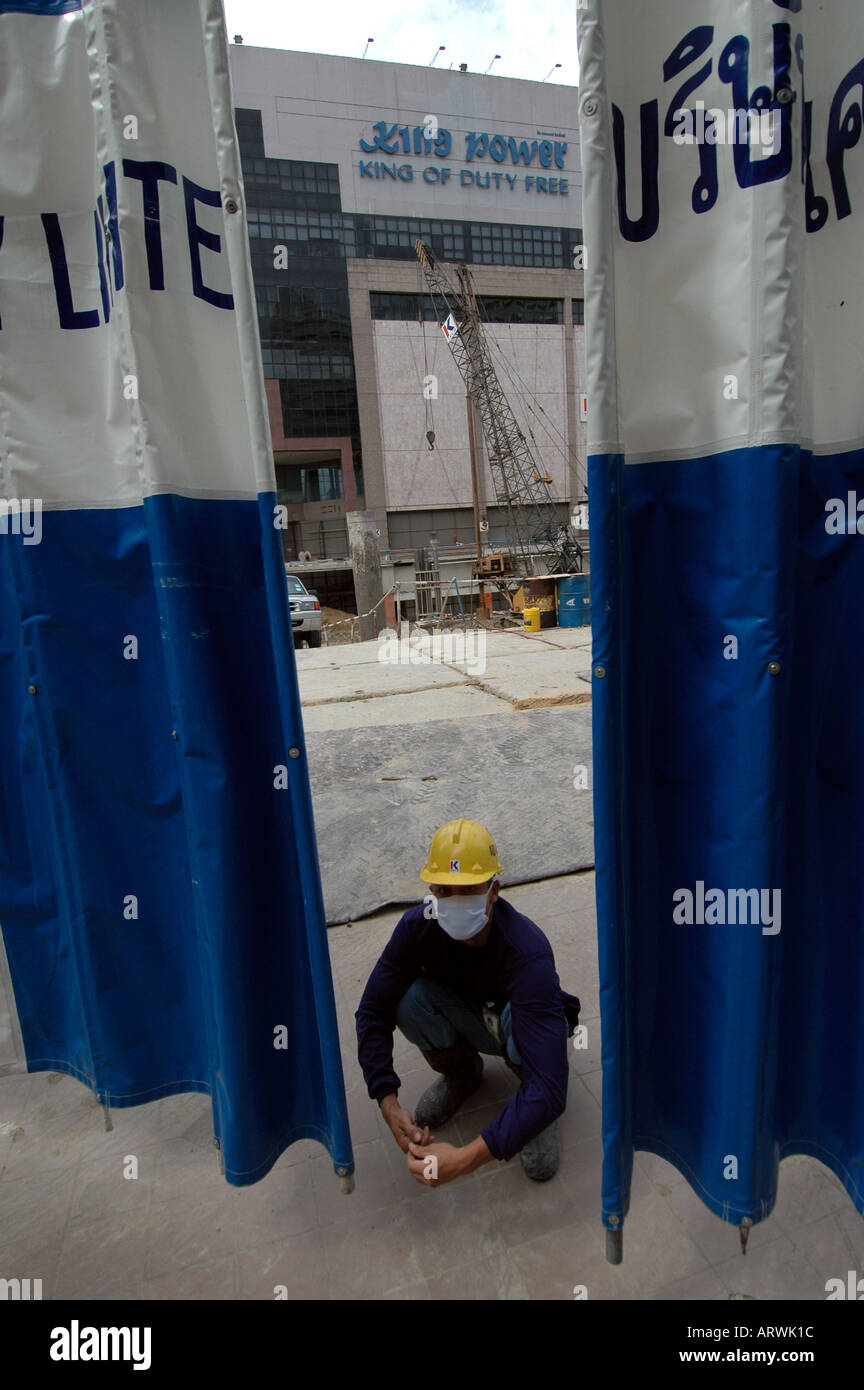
488	160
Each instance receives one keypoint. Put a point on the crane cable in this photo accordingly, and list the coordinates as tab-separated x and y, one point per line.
516	380
429	416
427	396
521	387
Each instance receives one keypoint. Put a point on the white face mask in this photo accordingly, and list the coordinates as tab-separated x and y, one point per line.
463	915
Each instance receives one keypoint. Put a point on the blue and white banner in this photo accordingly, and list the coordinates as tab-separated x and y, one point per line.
160	900
724	226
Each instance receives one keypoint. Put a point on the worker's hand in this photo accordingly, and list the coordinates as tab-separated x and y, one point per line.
401	1122
432	1164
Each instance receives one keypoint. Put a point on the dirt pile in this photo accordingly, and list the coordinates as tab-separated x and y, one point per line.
338	626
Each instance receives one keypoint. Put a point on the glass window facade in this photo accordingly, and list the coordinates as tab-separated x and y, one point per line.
295	219
316	229
298	483
303	318
478	243
492	309
402	307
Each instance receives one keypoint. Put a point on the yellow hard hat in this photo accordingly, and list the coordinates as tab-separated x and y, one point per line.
461	852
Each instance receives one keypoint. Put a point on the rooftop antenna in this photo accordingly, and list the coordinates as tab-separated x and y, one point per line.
368	41
439	49
494	60
550	72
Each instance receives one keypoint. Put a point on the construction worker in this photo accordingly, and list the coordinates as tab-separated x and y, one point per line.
464	973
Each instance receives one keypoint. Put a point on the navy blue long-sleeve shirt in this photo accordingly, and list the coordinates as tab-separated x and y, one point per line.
515	966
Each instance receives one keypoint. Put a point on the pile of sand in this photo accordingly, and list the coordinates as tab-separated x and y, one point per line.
338	629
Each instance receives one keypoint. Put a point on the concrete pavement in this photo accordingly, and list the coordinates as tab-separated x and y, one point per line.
349	687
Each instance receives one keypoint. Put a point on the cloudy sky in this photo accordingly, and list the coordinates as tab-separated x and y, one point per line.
530	37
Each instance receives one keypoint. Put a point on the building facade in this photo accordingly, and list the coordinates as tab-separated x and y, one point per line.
347	162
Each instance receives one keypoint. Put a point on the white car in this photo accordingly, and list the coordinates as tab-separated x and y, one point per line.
305	612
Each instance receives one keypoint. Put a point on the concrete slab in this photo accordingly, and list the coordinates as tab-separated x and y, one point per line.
499	642
380	793
458	701
511	666
373	678
327	658
560	637
555	638
546	675
533	649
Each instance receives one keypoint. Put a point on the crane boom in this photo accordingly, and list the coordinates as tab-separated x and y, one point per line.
533	526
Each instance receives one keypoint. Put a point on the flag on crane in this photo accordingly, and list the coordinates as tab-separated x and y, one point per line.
449	327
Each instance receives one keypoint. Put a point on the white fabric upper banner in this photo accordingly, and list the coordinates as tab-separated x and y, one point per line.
723	167
124	259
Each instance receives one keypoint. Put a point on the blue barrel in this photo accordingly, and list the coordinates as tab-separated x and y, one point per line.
574	600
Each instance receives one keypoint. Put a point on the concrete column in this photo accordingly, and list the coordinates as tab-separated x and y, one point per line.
574	482
362	278
366	560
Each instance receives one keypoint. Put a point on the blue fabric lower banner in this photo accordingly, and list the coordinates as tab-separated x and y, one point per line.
43	7
728	723
157	856
723	302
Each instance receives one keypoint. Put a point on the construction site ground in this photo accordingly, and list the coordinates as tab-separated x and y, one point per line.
179	1231
353	686
498	731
